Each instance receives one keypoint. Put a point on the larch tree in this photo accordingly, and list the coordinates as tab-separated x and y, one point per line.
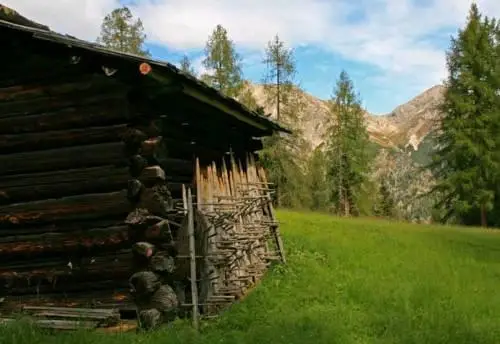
467	162
122	32
223	63
347	147
282	154
279	77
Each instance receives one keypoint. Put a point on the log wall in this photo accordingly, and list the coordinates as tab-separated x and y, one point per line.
80	152
66	161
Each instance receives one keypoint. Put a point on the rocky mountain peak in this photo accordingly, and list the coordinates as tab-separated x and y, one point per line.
407	125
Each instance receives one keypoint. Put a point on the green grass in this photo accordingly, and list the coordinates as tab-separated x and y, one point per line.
352	281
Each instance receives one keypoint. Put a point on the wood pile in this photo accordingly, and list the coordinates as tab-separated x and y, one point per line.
240	235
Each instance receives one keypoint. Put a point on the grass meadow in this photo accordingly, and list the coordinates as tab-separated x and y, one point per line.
349	281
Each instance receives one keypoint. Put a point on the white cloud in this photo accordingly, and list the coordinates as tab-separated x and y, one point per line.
393	35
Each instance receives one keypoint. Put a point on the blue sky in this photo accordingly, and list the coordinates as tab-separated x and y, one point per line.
392	49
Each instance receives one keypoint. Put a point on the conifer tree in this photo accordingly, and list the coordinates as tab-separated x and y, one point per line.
467	163
318	180
278	80
281	153
385	205
347	147
121	32
223	63
186	66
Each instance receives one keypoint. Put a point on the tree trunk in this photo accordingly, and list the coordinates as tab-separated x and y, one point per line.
484	221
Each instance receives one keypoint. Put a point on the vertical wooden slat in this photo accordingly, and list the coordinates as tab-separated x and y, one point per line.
192	254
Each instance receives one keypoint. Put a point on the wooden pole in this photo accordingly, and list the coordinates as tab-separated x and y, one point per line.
192	253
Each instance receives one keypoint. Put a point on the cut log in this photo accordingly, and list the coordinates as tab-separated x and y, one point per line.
115	112
84	207
108	238
64	158
60	138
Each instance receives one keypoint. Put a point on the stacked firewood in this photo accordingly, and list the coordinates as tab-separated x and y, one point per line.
150	222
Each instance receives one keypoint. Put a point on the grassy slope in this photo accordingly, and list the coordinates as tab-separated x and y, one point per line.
354	281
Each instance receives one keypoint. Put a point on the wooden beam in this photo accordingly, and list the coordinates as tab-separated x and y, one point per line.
46	103
107	238
39	186
114	112
74	208
60	138
64	158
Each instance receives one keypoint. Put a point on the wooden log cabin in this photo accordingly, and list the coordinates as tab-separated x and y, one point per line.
79	124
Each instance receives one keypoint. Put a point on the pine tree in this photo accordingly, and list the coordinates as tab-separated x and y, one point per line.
347	147
186	66
223	63
119	31
467	162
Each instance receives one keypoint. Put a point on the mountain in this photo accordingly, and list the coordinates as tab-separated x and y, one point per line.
405	127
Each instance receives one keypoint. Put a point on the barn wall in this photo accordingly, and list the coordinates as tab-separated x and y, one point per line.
64	170
68	139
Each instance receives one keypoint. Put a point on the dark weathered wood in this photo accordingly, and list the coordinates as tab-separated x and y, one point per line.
117	278
38	186
47	103
66	274
9	195
64	158
88	206
60	138
115	112
104	299
83	84
99	238
105	317
61	227
214	136
58	324
149	176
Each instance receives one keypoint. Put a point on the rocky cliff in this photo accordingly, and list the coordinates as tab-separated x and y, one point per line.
407	125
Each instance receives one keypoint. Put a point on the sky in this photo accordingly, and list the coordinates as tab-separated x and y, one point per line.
392	49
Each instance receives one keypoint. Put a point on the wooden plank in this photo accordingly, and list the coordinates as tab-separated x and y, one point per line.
60	138
74	208
64	158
